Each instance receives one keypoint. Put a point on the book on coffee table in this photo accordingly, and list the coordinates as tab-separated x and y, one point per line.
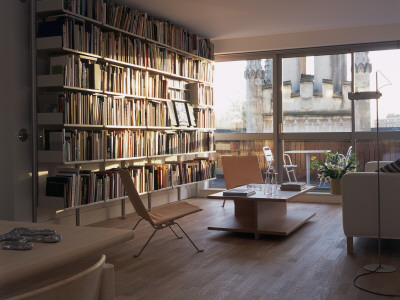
238	192
293	186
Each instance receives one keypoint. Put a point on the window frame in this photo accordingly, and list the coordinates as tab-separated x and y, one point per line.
277	136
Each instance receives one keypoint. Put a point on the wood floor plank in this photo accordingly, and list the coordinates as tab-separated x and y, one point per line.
311	263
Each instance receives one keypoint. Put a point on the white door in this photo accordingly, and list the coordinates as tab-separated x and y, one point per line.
15	111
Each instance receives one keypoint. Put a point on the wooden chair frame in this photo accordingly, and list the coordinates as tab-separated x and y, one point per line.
159	217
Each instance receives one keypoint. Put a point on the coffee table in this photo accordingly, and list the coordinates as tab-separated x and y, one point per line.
263	214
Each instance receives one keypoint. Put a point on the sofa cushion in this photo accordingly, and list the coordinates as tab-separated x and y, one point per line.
393	167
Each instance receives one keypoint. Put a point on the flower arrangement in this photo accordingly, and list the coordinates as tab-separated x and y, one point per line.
335	166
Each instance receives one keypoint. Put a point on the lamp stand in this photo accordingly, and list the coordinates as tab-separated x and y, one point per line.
378	268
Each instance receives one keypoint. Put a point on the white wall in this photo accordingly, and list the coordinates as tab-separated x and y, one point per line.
15	156
345	36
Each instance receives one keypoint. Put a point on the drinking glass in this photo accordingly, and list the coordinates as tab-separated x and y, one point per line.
267	183
274	184
250	187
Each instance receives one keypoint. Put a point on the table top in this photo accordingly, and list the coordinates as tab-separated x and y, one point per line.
307	151
283	196
77	243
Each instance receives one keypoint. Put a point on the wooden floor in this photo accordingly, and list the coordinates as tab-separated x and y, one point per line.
311	263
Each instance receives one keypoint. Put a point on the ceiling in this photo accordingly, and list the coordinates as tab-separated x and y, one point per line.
230	19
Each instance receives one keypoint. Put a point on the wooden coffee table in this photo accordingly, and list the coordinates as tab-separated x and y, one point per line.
262	214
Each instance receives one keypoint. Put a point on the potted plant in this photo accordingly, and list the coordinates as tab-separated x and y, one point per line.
333	169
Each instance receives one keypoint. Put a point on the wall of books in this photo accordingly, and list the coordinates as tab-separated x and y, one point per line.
119	88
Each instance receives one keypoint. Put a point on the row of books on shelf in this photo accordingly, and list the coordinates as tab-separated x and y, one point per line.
92	9
76	108
175	94
136	22
82	145
61	31
125	143
119	47
88	109
164	143
75	70
77	145
125	112
80	187
86	72
162	59
205	118
117	79
203	94
131	20
157	86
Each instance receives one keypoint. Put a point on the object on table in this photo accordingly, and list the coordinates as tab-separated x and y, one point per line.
293	186
239	192
18	238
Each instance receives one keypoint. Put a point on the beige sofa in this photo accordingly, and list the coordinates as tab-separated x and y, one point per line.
360	204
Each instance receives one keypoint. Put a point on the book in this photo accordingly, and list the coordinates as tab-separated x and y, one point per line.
293	186
238	192
192	119
56	186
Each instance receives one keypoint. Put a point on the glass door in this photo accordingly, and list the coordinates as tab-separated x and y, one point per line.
316	113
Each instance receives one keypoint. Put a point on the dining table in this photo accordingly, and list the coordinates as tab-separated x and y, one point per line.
80	246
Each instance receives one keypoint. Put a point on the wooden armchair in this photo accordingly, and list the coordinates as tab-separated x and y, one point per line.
240	170
159	217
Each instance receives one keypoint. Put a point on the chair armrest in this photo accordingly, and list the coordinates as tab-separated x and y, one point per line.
107	288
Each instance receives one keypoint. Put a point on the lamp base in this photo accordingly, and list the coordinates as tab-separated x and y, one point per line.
379	268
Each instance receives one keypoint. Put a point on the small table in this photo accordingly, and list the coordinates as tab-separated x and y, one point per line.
21	269
263	214
308	159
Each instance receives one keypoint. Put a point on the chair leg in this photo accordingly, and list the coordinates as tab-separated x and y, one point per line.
294	176
140	252
223	204
136	225
198	250
288	176
179	237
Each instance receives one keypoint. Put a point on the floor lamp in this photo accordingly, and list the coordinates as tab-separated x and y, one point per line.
379	268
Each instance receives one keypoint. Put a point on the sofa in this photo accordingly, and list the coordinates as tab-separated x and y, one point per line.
360	204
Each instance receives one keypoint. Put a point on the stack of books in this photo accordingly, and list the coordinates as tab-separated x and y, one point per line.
293	186
239	192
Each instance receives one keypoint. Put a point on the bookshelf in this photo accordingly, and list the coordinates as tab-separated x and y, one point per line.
119	88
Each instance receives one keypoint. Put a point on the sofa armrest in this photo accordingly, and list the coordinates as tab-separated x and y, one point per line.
360	204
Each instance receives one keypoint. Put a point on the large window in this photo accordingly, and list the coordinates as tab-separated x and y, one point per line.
308	108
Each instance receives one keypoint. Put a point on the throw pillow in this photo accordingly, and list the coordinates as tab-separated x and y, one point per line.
393	167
